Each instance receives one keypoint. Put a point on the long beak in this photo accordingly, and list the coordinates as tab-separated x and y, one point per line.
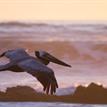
55	60
2	54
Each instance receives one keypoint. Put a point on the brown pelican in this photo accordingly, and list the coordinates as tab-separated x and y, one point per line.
21	61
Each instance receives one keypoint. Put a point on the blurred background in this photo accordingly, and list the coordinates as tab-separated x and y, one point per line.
72	30
81	45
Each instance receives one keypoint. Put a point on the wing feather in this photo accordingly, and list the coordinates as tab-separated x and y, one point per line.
6	66
44	74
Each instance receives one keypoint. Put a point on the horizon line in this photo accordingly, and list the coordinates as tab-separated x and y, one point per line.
58	21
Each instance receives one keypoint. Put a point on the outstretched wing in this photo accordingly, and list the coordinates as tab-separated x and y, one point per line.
15	55
6	66
44	74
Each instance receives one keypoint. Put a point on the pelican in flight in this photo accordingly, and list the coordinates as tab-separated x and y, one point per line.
21	61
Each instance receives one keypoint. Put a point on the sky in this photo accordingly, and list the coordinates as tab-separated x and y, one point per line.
61	10
31	10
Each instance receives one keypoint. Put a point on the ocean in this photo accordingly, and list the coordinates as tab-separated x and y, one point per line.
84	46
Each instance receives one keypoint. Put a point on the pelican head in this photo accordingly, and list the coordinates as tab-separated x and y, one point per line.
45	58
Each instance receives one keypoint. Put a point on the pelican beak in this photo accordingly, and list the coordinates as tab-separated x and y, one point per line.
55	60
3	54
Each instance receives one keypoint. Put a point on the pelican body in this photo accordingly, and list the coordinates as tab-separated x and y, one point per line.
21	61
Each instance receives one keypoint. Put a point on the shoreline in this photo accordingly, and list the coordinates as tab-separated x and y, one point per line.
93	94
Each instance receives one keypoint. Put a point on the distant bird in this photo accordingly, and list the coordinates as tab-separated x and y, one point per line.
21	61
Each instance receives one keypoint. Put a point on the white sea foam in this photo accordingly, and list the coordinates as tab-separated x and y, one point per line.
46	104
53	32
